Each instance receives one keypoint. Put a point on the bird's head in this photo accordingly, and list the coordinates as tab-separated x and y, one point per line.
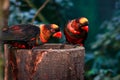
55	30
81	23
50	30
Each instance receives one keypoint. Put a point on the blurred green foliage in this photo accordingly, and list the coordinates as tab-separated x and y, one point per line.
102	60
106	50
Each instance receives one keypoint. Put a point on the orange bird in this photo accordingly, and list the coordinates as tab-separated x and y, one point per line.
27	36
76	31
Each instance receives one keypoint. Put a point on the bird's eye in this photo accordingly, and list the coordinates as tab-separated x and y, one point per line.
80	25
52	30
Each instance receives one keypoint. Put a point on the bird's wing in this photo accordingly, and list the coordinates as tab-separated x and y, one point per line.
22	32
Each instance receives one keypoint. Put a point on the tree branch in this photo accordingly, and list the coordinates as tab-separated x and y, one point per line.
41	17
40	9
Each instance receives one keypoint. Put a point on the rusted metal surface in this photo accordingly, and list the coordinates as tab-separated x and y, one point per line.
47	62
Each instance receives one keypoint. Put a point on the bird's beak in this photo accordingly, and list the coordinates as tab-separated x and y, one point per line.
85	28
57	34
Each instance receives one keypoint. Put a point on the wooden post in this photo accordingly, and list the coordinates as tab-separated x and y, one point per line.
47	62
6	53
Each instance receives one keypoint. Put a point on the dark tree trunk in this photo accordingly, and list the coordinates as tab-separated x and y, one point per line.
4	13
47	62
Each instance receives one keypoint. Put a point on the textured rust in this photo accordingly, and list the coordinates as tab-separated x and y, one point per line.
47	62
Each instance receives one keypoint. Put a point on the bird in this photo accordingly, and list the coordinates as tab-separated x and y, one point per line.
76	31
27	36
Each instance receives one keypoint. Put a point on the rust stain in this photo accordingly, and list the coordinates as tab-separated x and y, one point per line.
18	60
38	60
27	67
